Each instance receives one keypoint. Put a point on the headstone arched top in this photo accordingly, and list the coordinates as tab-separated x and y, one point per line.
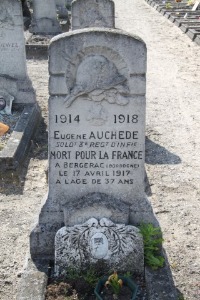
93	13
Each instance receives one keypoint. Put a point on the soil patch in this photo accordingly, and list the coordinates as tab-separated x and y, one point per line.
83	289
125	293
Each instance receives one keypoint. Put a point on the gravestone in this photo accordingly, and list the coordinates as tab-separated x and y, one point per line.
89	13
61	8
44	19
96	134
120	246
14	81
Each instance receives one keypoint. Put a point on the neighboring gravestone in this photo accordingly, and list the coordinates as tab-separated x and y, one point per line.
45	18
119	246
96	133
90	13
61	8
14	81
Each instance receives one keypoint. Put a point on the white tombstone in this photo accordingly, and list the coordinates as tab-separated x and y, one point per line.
96	132
14	79
45	18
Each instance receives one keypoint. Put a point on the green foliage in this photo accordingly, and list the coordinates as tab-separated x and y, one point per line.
90	276
114	282
128	274
152	238
190	2
181	297
168	5
72	274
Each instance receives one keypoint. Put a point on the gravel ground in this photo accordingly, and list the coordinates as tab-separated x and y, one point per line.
172	159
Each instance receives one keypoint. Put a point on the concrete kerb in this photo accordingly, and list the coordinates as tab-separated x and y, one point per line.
16	148
167	12
193	32
197	39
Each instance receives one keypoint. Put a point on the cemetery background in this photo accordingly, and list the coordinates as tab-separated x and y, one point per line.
172	150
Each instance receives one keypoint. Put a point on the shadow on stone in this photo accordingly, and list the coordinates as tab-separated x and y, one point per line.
39	147
159	283
148	191
158	155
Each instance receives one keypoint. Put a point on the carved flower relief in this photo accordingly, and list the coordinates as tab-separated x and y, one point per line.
97	79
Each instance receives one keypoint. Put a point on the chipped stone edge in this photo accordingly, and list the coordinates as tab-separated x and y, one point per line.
16	148
96	30
33	282
42	51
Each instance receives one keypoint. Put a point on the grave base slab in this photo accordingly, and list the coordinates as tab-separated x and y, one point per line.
16	148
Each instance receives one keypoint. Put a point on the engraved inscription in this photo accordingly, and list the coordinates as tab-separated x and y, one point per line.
110	155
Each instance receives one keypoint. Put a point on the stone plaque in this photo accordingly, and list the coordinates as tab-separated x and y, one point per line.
90	13
12	53
120	246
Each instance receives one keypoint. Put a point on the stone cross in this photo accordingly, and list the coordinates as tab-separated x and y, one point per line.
14	82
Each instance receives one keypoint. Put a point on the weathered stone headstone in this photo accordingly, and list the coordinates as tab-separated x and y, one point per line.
45	18
14	81
96	133
89	13
120	246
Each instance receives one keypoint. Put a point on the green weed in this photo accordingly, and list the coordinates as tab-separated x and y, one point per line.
91	277
152	238
168	5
